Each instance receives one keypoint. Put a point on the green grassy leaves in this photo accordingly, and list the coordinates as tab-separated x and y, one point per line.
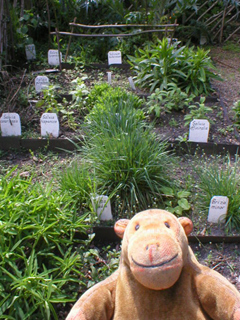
125	154
37	266
218	179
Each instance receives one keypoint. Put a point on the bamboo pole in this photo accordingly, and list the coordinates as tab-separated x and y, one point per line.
195	11
232	34
19	87
172	34
121	25
213	19
232	18
222	26
213	5
120	35
70	39
215	26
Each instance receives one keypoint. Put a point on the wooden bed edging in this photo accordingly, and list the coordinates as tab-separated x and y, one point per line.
108	234
59	145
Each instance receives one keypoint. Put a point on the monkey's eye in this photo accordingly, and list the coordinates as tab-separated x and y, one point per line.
137	226
167	224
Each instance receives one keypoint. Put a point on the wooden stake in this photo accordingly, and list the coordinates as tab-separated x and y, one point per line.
1	32
108	34
70	39
22	9
49	23
59	52
120	25
11	30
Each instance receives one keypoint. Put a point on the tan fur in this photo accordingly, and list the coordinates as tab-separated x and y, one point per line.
158	278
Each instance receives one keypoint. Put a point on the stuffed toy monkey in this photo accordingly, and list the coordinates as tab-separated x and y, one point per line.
158	277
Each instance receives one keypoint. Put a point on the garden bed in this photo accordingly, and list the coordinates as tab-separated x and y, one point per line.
170	126
212	245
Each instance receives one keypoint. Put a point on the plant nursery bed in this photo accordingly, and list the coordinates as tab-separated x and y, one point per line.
169	126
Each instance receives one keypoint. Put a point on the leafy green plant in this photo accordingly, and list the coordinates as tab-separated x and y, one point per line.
197	111
216	178
38	266
126	156
157	65
115	97
160	63
96	93
102	263
236	109
49	99
198	70
167	100
175	200
79	93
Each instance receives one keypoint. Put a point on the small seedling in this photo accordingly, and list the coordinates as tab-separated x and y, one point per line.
197	111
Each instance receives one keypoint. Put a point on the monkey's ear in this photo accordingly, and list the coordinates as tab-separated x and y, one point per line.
120	227
186	224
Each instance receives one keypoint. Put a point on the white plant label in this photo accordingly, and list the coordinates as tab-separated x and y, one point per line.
10	124
109	74
53	57
132	85
101	204
41	82
114	57
218	209
199	130
30	52
203	40
49	125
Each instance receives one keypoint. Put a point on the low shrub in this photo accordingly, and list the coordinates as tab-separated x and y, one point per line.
160	63
170	99
104	93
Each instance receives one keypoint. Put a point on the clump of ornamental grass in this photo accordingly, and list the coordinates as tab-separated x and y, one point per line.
220	178
78	181
127	157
